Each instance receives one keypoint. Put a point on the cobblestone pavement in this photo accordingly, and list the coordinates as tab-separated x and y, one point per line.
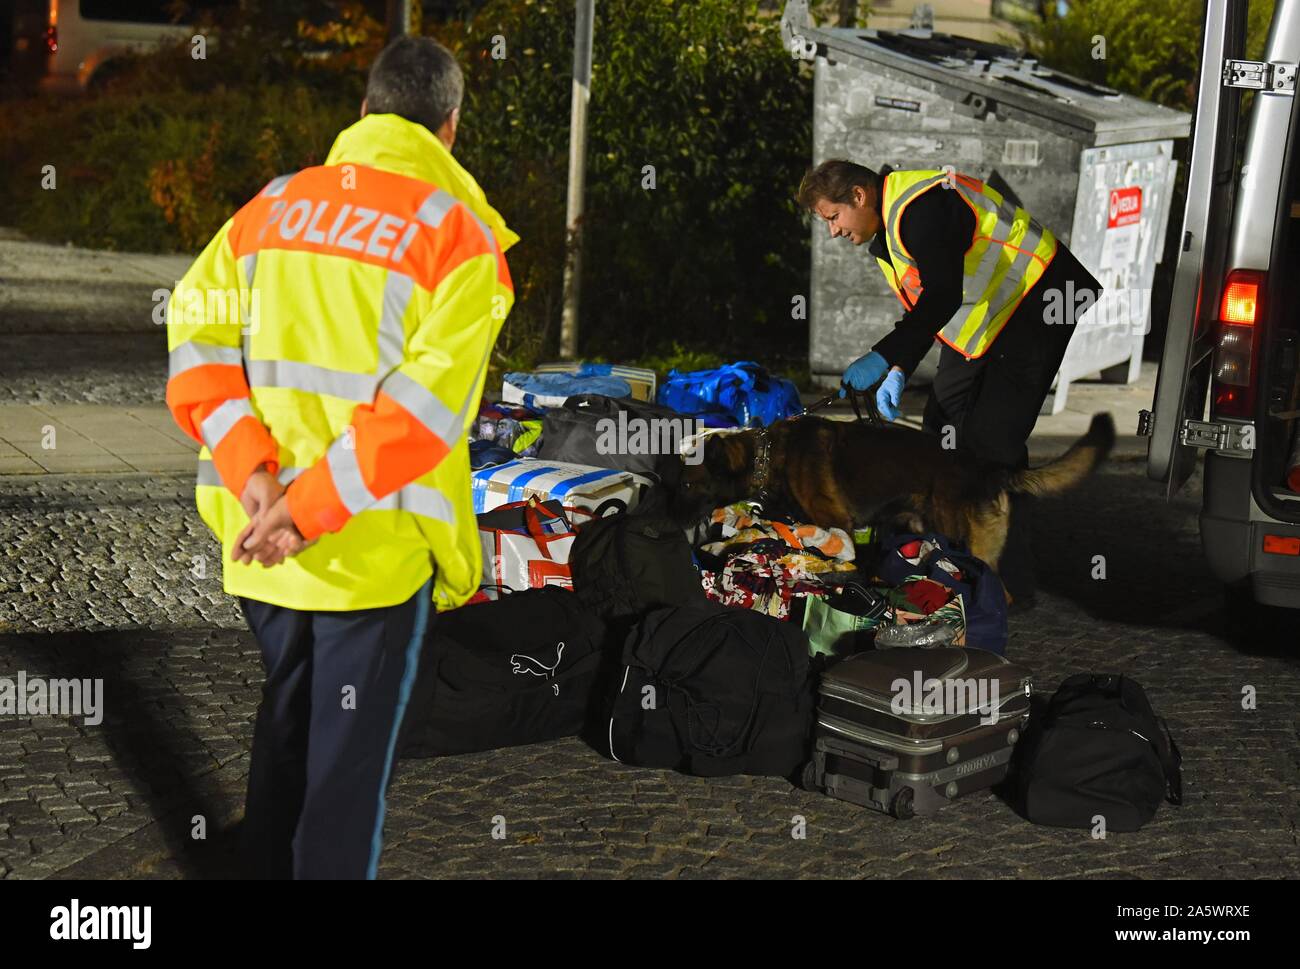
78	325
115	577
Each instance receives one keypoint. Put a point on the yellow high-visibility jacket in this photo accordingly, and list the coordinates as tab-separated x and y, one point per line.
338	328
1007	254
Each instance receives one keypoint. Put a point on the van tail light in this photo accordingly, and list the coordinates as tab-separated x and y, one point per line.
1234	357
51	38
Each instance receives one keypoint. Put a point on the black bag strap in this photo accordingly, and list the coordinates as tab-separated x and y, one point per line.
1172	762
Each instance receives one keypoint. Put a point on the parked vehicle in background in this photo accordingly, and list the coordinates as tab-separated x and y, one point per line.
1234	316
69	45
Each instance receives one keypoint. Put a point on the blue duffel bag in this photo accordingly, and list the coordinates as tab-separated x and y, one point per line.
743	393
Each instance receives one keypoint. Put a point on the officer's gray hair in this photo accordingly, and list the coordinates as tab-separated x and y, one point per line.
416	78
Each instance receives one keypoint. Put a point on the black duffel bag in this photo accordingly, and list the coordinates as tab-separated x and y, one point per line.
711	691
1098	750
626	564
520	670
574	433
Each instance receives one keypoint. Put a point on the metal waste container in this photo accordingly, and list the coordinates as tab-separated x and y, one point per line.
1093	165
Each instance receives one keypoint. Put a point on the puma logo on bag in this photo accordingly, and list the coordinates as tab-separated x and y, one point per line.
523	663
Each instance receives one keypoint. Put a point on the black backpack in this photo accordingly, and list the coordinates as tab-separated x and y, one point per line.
624	565
520	670
572	433
1099	749
711	691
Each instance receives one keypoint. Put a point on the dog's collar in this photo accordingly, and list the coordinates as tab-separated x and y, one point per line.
762	463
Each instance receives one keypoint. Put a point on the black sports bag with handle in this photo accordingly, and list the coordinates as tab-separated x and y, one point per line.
520	670
581	430
624	565
711	691
1098	750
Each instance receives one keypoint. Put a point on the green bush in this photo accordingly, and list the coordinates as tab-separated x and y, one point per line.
1152	47
701	90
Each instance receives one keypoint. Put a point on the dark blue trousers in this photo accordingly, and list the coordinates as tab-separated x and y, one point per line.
337	685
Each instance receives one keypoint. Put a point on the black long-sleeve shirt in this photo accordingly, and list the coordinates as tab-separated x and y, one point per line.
937	228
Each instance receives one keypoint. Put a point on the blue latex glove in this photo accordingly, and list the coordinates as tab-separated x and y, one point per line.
864	372
890	395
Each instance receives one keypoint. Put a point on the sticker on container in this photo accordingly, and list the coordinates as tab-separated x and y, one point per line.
1020	151
1123	226
898	104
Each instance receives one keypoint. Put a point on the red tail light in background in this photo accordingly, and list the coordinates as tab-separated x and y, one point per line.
1234	358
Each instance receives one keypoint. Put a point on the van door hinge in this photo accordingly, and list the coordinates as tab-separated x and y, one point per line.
1238	438
1276	77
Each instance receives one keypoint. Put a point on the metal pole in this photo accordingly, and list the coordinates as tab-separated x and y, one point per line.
577	176
399	19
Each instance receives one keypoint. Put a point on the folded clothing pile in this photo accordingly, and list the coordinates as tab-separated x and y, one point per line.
766	564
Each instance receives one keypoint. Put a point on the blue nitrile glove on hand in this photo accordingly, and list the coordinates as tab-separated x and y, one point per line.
890	395
864	372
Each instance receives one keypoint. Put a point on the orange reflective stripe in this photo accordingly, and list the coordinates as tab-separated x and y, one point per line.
245	446
314	502
393	446
195	393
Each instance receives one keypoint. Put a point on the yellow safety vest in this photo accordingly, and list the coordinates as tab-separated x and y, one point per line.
1008	253
338	328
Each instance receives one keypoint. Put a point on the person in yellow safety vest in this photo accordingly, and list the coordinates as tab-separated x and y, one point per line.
976	272
328	350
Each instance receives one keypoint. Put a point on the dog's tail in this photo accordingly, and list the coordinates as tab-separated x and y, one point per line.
1084	456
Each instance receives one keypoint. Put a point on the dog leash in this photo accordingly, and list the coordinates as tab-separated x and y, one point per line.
868	401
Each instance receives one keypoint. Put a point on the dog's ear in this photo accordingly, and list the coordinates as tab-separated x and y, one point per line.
724	455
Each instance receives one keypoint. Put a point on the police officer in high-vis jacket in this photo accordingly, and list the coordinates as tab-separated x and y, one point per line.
979	274
328	350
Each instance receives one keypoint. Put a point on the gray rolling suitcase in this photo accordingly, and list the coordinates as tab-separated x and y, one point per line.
906	730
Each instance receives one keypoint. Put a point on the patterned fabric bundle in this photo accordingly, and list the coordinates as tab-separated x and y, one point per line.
763	579
737	525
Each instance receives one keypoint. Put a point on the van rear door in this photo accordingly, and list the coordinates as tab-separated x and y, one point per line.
1184	377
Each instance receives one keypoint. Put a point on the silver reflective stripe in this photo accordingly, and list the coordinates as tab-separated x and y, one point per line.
250	267
426	501
424	406
218	424
192	353
309	377
435	208
487	233
277	185
1014	278
414	498
978	281
392	334
207	476
346	472
896	207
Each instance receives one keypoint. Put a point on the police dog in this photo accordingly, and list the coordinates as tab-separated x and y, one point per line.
848	475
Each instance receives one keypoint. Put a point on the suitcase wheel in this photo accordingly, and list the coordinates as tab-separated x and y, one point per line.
901	807
808	779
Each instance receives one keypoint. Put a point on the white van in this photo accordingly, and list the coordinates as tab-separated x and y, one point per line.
1229	384
81	37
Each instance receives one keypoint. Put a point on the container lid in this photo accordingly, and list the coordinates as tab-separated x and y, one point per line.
1002	79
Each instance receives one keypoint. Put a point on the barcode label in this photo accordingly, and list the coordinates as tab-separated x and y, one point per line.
1020	151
